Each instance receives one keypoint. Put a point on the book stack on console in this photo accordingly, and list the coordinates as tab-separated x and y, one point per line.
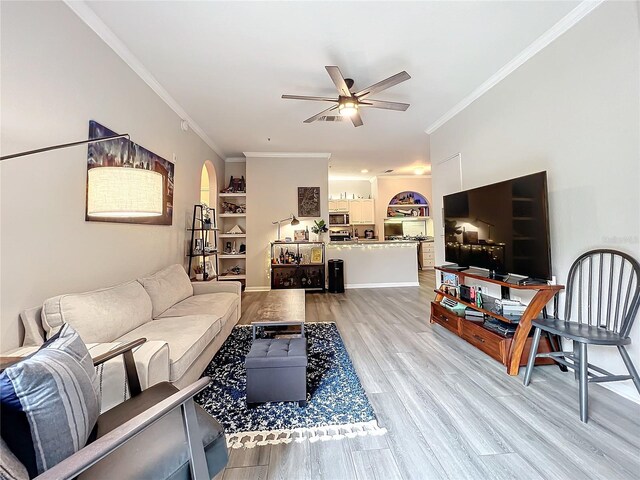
511	308
501	328
473	315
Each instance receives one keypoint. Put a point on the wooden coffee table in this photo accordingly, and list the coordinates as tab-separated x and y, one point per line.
281	308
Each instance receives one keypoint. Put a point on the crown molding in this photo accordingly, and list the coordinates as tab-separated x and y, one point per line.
568	21
88	16
405	176
235	160
286	155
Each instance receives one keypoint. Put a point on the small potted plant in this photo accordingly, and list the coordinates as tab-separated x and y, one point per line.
319	227
206	216
199	271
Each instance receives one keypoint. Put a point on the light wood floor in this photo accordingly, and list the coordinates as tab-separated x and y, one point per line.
451	411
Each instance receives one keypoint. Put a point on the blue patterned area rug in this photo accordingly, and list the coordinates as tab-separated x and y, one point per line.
337	404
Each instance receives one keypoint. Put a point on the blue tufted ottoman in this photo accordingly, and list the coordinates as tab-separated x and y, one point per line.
277	371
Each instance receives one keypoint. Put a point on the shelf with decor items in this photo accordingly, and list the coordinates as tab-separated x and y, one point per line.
203	244
298	265
408	204
232	207
511	351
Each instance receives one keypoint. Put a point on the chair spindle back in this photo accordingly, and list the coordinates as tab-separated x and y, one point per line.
603	290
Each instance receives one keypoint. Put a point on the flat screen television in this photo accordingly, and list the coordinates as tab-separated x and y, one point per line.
503	227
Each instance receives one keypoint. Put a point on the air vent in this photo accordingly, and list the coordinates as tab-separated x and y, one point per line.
331	118
388	171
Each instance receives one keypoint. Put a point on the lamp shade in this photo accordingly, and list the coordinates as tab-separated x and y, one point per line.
124	192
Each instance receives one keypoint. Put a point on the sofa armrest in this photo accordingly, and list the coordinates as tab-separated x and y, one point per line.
200	288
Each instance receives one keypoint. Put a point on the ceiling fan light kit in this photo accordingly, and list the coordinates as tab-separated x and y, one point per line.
348	103
347	107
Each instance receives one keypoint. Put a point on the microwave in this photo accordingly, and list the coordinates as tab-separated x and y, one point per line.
338	219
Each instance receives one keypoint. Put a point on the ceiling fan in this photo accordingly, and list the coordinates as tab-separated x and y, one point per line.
349	103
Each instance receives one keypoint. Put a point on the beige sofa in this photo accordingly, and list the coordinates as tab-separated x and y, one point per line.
184	323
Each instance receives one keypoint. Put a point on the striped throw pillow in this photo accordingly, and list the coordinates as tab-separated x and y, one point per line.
50	402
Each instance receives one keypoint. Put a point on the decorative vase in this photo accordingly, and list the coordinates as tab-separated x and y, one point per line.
200	276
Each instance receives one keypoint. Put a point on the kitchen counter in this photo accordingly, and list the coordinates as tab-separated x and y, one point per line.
372	242
377	263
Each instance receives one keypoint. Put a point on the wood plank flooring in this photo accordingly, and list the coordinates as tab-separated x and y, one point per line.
451	411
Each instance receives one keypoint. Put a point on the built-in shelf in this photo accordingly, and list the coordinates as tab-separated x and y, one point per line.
202	229
229	215
237	194
230	255
231	276
232	235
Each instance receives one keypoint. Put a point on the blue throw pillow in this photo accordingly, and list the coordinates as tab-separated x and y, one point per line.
49	402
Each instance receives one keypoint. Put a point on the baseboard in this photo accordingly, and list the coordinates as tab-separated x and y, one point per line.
381	285
257	289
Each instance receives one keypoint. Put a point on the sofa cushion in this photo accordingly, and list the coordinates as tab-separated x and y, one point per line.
216	304
167	287
100	315
186	336
49	402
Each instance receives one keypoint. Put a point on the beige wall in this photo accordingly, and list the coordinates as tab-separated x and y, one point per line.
572	110
56	76
359	188
385	188
272	194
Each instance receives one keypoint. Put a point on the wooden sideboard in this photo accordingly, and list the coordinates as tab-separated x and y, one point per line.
510	351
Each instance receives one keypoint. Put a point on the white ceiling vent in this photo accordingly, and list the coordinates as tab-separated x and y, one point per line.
331	118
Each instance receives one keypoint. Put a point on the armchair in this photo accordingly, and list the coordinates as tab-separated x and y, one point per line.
157	433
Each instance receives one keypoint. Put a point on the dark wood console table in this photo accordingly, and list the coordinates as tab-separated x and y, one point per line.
507	350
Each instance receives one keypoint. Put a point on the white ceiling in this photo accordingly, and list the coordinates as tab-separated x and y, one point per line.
227	64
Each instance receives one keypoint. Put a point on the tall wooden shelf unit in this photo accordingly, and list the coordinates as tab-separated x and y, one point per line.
206	233
510	351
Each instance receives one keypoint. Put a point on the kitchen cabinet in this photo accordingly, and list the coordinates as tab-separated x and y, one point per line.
338	205
361	212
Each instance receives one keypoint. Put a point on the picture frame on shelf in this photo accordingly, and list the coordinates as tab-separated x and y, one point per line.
316	255
299	235
209	269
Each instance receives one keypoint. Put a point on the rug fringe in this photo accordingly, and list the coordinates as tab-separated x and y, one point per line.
299	435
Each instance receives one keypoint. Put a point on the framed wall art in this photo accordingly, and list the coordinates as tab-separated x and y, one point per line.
308	201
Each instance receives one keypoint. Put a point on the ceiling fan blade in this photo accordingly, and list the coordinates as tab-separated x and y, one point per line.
318	115
383	85
356	119
317	99
338	80
384	105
